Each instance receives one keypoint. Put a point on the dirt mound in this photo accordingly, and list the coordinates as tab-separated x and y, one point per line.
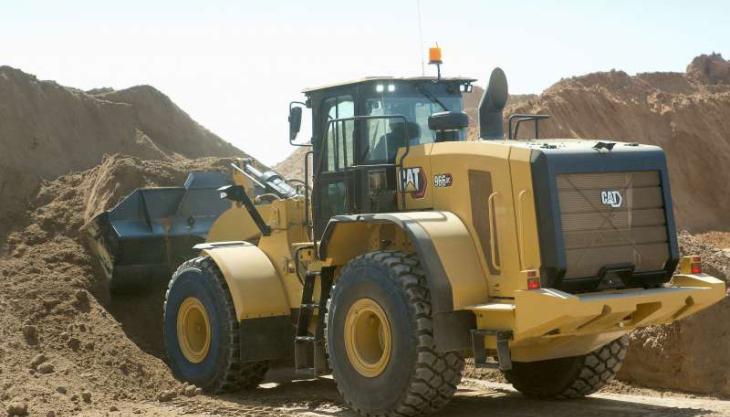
47	130
716	239
680	112
293	165
65	346
692	354
58	333
169	127
709	69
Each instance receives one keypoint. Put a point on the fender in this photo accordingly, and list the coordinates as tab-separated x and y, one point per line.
235	224
448	256
255	286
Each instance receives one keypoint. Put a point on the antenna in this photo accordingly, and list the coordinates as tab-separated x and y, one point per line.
420	38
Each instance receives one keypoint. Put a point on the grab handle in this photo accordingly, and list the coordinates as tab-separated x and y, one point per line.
492	233
521	227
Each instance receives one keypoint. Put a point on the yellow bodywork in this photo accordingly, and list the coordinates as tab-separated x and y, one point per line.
486	241
261	277
512	245
255	285
450	237
549	323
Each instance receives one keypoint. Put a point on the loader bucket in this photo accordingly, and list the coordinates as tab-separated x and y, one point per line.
150	232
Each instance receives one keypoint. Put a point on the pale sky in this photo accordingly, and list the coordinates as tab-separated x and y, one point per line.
235	65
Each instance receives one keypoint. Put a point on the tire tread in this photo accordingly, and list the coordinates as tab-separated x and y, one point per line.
588	374
238	375
436	375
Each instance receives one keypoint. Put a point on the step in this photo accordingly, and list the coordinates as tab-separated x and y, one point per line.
309	339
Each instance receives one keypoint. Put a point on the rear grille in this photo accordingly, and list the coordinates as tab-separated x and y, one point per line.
597	235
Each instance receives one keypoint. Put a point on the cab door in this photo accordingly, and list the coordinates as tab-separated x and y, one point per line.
334	191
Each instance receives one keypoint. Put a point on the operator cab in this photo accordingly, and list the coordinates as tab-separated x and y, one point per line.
358	128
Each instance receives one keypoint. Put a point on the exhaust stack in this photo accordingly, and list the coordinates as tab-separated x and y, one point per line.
491	106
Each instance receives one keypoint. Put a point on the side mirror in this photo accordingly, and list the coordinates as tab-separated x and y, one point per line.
295	122
447	124
448	120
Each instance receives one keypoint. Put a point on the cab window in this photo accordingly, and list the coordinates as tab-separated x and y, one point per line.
339	143
385	136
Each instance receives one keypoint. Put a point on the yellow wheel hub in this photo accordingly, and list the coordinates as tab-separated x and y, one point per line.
368	337
193	330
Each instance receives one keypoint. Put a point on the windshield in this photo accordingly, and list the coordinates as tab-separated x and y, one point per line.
385	136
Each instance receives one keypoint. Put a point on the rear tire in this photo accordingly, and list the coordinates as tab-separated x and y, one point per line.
214	366
389	289
573	377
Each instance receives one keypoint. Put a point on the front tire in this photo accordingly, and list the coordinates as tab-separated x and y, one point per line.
573	377
201	331
380	339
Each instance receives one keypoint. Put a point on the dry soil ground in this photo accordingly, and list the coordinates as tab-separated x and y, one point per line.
280	397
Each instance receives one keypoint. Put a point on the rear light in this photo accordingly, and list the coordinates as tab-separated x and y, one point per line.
696	265
533	279
690	265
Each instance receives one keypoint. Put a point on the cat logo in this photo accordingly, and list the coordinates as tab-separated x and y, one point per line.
611	199
413	181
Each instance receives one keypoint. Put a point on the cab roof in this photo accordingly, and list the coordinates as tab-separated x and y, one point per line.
460	80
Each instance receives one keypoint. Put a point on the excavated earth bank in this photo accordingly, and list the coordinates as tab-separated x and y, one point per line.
47	130
61	347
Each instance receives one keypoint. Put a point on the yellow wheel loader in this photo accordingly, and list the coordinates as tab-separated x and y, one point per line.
413	249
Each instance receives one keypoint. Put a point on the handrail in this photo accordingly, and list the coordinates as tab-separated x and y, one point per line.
492	233
320	157
398	165
307	209
521	228
524	118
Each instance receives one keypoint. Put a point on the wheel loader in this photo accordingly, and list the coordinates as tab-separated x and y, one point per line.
409	248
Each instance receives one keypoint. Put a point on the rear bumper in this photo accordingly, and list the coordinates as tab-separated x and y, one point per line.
549	323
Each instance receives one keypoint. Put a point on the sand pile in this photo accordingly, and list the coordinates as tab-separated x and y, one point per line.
47	130
720	240
692	354
64	345
61	349
685	113
293	165
710	69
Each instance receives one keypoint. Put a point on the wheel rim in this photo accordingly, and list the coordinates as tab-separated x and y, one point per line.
368	337
193	330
